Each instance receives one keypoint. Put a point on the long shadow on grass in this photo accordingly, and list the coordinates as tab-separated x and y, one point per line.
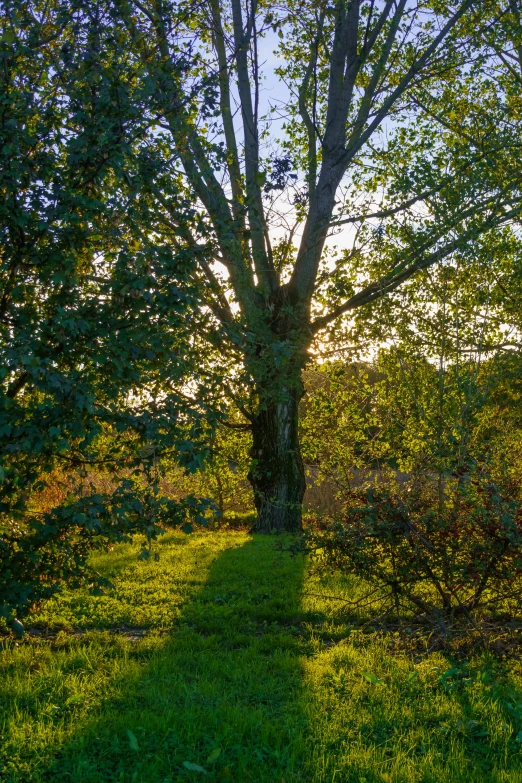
220	692
233	690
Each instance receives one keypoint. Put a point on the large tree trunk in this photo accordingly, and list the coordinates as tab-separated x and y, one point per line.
277	472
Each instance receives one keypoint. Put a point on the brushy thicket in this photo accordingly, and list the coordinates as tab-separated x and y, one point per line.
440	559
424	461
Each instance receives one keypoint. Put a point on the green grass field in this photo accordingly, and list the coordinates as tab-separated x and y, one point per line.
220	663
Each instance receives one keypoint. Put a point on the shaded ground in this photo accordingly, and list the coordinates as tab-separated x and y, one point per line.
222	662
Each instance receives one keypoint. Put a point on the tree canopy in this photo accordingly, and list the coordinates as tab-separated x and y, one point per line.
96	308
161	172
388	147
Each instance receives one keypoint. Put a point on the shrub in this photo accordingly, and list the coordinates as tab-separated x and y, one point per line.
444	557
52	549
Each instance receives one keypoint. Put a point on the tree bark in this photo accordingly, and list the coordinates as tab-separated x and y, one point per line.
277	472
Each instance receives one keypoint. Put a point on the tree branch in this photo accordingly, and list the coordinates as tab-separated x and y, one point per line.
406	81
266	274
407	269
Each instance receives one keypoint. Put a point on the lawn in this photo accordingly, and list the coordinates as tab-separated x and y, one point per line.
221	662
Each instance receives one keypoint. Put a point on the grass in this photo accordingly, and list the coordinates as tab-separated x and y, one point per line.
220	662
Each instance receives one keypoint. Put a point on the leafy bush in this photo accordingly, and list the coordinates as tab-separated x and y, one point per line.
53	548
443	557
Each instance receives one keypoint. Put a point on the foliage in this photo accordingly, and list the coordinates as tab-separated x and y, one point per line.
95	350
341	426
442	560
395	137
132	204
421	446
223	477
444	388
53	548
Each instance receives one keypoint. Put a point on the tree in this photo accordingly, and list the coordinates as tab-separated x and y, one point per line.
94	306
358	147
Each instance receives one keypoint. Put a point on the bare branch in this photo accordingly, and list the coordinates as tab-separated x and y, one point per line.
226	112
265	272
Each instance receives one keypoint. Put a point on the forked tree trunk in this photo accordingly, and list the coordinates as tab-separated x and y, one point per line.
277	471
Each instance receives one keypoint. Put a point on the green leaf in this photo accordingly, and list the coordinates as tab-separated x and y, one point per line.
187	528
133	742
76	699
371	678
194	767
214	755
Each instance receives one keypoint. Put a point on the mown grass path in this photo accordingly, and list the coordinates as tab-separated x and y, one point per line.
217	656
